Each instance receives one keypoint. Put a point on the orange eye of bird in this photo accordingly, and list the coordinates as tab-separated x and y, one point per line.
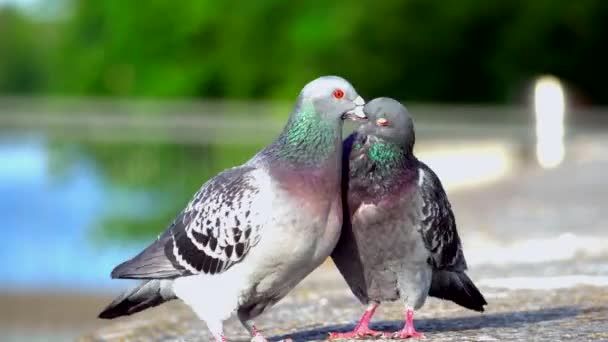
382	122
338	93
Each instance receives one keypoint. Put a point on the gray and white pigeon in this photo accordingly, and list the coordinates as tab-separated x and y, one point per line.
399	238
253	232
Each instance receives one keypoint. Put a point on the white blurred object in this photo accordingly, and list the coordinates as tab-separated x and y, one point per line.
468	164
482	250
549	109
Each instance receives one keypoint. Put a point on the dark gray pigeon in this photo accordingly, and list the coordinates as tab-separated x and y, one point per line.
399	238
251	233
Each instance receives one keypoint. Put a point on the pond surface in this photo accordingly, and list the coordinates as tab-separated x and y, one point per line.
73	210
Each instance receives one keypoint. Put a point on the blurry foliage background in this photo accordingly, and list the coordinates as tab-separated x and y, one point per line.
466	51
416	50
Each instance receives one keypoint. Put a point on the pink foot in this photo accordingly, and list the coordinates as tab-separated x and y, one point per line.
408	330
358	332
362	329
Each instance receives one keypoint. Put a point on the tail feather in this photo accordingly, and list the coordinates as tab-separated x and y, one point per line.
148	294
457	287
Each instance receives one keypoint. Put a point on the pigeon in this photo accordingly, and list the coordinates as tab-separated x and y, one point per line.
399	239
253	232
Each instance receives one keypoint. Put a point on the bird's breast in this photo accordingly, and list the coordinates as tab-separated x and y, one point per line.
315	190
367	213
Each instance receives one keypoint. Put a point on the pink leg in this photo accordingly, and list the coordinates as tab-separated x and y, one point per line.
257	335
408	329
362	329
255	331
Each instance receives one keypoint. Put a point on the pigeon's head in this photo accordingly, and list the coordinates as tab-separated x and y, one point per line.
333	98
389	120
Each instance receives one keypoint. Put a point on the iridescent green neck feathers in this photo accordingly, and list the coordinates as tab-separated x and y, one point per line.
308	138
387	156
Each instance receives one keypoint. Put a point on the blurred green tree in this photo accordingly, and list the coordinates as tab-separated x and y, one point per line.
25	48
418	50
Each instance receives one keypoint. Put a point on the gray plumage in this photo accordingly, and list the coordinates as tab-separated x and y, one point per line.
251	233
399	239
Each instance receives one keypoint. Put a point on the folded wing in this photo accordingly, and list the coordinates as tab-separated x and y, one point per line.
438	226
215	231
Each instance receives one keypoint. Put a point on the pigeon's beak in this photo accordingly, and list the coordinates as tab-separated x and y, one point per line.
356	113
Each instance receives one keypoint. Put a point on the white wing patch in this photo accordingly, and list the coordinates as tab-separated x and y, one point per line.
420	176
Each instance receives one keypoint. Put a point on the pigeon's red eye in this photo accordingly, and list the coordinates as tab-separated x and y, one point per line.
382	122
338	93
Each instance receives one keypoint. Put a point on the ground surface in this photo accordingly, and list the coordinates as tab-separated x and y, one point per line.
322	304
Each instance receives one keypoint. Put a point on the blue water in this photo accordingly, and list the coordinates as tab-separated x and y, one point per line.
47	221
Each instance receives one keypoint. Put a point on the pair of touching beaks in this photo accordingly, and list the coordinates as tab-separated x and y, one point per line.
357	113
